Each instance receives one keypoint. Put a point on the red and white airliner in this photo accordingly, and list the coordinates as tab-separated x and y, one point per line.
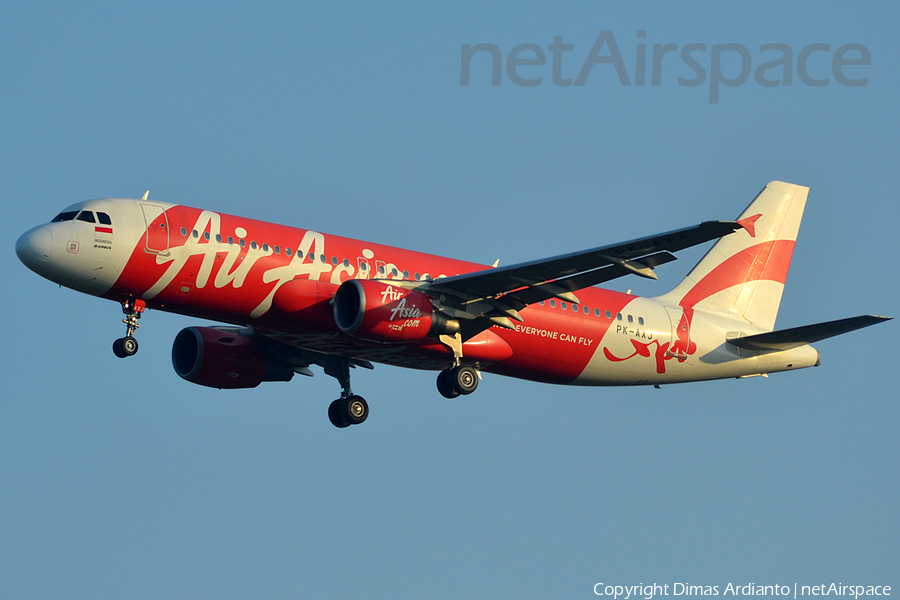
297	297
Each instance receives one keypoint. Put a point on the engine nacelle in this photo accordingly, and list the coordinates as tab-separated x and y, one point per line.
380	312
224	359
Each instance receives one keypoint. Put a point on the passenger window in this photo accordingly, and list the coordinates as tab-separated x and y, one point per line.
608	315
322	258
418	277
195	234
103	218
596	312
553	304
541	303
381	269
277	250
66	216
311	256
242	242
265	247
230	241
574	308
563	305
184	231
86	216
346	263
630	319
219	237
287	251
587	311
619	316
394	272
640	320
253	245
405	274
334	260
206	235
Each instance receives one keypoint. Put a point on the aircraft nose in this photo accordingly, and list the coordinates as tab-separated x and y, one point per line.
33	248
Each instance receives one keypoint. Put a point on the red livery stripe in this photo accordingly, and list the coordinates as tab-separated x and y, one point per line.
769	260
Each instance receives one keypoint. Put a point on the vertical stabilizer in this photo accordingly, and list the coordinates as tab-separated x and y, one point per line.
743	274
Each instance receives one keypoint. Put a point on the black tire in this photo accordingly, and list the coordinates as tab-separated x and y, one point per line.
129	346
118	350
335	414
356	410
464	379
445	385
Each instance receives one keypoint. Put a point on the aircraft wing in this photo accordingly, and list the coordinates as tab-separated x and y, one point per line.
496	295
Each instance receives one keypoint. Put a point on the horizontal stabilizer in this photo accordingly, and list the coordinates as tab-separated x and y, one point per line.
786	339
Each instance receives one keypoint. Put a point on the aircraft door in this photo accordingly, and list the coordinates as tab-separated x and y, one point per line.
156	240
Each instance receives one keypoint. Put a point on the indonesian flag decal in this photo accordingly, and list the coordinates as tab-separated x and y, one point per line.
106	230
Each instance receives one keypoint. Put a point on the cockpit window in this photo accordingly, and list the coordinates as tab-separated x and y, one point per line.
64	216
86	216
104	219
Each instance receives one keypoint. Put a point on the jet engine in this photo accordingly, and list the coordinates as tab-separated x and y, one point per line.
381	312
225	359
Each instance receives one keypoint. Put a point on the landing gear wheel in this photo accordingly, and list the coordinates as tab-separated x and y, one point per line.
125	347
445	385
344	412
355	410
464	379
129	345
335	414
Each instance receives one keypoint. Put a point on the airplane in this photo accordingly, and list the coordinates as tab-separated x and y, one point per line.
294	298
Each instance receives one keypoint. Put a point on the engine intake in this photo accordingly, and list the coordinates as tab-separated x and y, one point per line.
225	359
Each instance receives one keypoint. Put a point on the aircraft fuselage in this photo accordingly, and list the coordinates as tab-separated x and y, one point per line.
230	269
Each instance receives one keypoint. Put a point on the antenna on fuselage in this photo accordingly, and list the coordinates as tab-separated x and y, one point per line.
144	197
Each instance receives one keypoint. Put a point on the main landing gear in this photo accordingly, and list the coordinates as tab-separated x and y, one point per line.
128	345
457	381
349	409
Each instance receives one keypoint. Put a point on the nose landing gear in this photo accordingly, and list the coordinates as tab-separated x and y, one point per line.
128	345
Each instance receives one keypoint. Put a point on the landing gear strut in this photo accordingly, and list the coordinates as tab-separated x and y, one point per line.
349	409
128	345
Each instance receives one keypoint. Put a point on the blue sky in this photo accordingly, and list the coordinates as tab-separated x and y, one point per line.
122	480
